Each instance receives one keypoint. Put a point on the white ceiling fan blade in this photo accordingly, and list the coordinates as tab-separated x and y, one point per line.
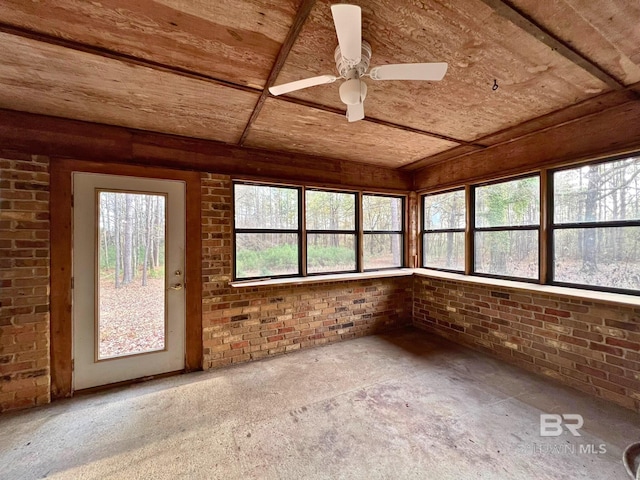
300	84
410	71
348	22
355	112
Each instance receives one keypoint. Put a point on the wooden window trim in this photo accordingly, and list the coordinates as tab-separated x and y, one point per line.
546	227
402	232
552	226
507	228
303	231
464	230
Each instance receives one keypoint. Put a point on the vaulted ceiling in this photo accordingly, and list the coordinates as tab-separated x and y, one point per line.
201	69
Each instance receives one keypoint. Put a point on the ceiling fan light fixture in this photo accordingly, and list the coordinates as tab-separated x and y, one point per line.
353	91
352	56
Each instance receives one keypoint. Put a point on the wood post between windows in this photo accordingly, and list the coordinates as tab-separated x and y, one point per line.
469	197
545	226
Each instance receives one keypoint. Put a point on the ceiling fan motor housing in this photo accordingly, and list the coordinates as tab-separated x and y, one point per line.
353	91
348	70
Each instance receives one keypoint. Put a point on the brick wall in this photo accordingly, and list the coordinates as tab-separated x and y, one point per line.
591	346
242	324
24	281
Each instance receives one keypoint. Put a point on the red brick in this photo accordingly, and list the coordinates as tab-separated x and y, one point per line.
557	313
623	343
606	348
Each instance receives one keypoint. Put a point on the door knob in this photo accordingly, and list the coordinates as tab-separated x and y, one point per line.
177	286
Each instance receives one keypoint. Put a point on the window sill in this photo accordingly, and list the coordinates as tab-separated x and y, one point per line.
606	297
335	277
589	295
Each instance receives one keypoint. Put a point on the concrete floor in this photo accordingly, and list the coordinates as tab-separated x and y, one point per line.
396	406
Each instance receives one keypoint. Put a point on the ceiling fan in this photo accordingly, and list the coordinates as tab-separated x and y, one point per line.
352	57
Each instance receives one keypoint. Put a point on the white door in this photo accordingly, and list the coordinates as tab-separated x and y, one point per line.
128	277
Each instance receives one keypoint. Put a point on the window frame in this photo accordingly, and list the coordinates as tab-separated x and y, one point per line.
236	230
546	226
552	226
354	232
303	233
424	231
512	228
365	232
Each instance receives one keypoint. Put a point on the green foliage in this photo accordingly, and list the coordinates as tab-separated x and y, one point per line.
283	259
318	257
270	261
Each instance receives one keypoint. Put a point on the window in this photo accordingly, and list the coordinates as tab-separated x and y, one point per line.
383	227
339	229
506	228
267	231
331	232
596	225
443	225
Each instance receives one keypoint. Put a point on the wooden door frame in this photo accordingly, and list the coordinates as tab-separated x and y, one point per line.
61	238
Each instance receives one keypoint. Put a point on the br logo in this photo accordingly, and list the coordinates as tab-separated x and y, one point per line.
552	425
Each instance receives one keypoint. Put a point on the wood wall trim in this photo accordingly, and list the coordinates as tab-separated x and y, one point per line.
545	241
53	136
301	16
60	236
609	132
193	272
553	119
61	262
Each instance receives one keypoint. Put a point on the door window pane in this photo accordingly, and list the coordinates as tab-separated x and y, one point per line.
511	253
508	204
598	193
331	252
330	210
131	283
444	250
444	211
266	254
604	257
382	250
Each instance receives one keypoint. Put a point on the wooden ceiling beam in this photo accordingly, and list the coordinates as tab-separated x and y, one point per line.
338	111
601	133
301	16
303	13
506	9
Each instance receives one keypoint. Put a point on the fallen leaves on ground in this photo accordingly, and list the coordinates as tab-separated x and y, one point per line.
131	317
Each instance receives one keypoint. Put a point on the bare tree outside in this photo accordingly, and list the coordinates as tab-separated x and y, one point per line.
444	218
267	223
382	224
596	220
131	317
500	207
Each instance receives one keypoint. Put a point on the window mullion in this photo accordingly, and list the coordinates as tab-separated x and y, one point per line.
359	234
470	223
302	227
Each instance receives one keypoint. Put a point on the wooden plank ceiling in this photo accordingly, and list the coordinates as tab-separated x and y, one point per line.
200	69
